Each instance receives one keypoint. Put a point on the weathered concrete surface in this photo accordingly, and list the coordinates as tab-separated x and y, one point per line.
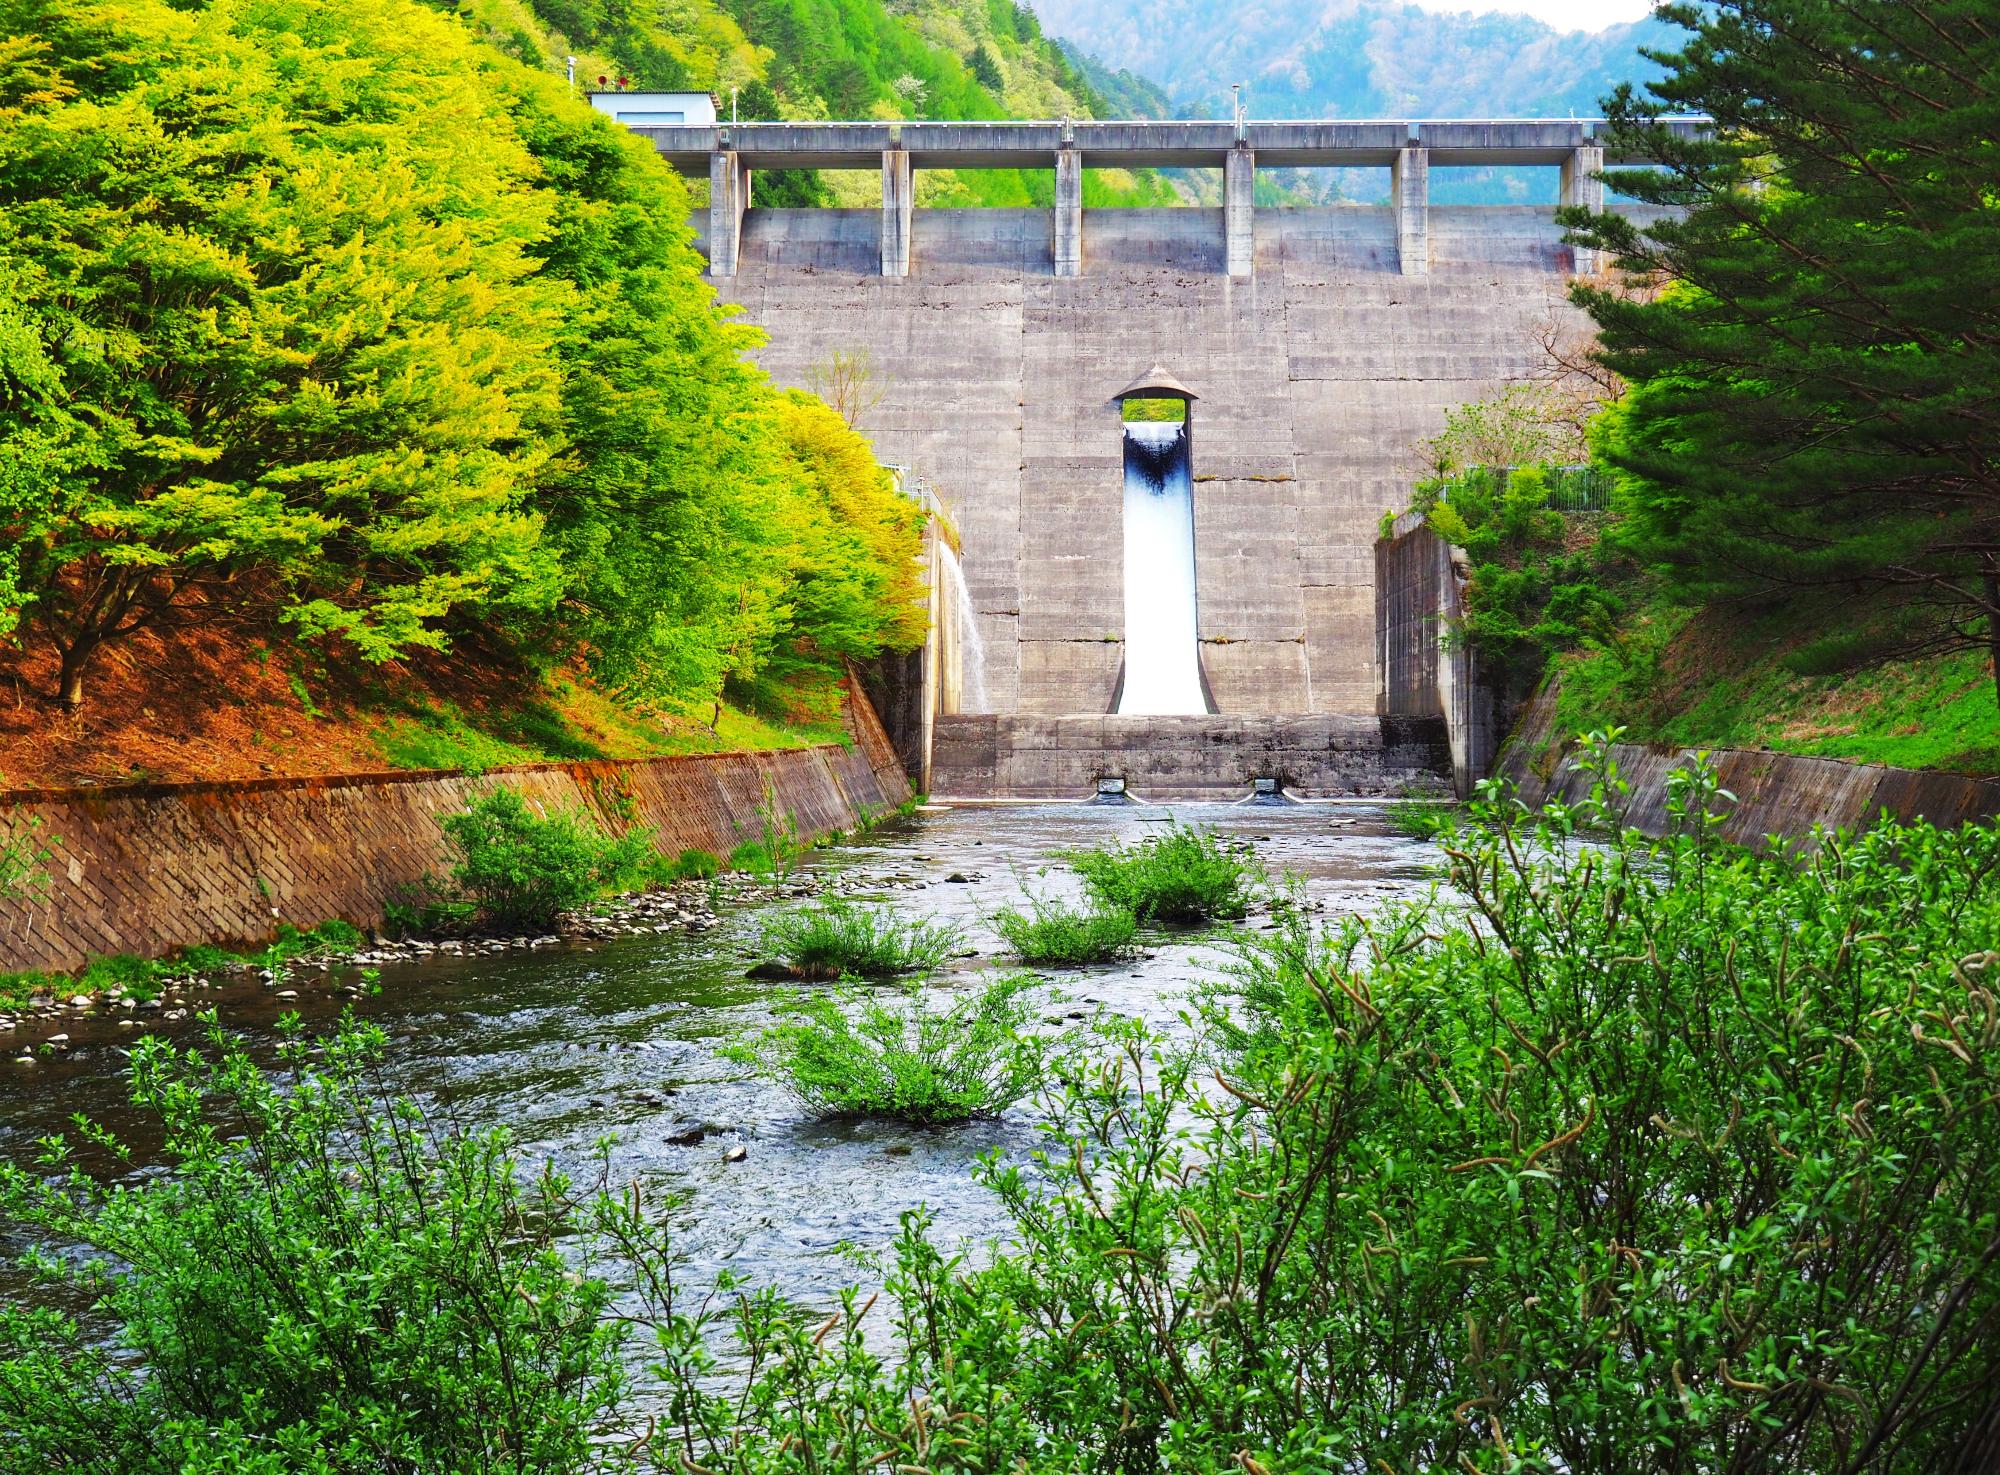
1068	208
1419	598
1315	379
149	868
1777	794
1186	757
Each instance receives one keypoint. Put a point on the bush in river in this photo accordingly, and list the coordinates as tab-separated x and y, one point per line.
523	869
862	1055
1051	935
1185	875
1631	1157
839	939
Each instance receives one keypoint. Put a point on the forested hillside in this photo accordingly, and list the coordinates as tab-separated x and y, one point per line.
331	330
803	59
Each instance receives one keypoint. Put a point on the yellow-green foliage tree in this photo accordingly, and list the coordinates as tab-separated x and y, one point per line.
327	311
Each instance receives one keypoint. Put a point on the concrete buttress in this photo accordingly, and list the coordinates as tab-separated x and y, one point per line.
1069	213
1410	196
898	206
728	198
1239	211
1583	185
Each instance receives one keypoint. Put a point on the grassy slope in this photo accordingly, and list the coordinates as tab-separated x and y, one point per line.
244	707
1722	681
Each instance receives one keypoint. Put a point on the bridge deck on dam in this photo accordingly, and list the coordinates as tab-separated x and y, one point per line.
1473	143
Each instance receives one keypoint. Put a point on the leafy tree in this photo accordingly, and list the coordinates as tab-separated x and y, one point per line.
263	352
326	312
1815	397
778	188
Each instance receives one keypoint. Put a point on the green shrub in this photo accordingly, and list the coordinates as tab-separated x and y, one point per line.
120	974
753	856
839	939
697	865
1185	876
524	869
1049	934
859	1055
329	1284
193	962
1422	819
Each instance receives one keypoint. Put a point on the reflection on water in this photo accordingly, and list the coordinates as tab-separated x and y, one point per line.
564	1045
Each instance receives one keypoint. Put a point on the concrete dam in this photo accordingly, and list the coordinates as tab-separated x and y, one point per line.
1317	347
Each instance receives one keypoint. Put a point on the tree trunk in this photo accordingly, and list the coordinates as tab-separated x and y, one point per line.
69	683
1993	624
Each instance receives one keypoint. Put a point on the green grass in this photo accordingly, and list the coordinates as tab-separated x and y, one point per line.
575	723
1422	819
837	939
125	975
1185	876
1724	682
907	1060
1050	935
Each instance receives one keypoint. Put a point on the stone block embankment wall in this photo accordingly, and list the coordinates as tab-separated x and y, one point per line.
149	868
1159	758
1316	376
1781	794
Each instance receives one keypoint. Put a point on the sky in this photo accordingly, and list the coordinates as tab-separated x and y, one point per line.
1568	15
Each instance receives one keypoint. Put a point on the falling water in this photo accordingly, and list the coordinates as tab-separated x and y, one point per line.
971	647
1162	672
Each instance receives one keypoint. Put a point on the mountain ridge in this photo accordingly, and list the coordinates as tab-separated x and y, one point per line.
1352	58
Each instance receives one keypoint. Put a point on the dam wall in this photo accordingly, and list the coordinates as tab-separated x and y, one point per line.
1315	378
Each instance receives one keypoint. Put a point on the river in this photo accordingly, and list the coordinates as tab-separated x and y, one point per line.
565	1044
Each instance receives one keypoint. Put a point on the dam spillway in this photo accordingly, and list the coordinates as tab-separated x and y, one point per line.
1162	676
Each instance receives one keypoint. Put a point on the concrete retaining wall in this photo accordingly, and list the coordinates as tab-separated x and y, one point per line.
149	868
1419	595
1186	757
1777	794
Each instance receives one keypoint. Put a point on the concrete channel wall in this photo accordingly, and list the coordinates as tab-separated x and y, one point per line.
149	868
1777	794
1419	596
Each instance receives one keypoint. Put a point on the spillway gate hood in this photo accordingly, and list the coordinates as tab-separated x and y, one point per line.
1155	383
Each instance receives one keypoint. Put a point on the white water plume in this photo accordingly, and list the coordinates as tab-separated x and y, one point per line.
1162	667
971	646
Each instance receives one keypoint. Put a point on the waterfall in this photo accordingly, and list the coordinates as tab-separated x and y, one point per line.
1162	667
971	646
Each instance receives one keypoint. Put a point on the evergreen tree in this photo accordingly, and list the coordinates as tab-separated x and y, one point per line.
1815	383
985	69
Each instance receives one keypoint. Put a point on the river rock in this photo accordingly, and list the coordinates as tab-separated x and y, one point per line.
736	1154
692	1137
769	972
